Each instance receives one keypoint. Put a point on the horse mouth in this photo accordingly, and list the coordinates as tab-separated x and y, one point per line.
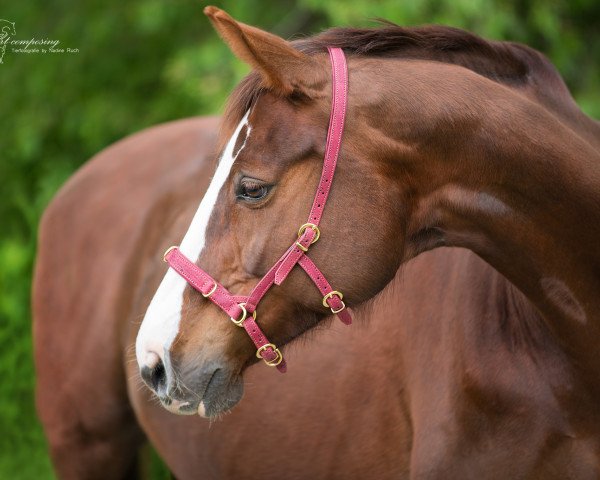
179	407
219	395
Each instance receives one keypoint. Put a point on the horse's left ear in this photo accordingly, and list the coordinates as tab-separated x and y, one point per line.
282	67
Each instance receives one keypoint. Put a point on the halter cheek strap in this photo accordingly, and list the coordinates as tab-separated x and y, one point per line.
242	309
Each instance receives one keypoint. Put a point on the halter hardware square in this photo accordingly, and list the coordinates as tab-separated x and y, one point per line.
271	363
240	322
212	290
313	227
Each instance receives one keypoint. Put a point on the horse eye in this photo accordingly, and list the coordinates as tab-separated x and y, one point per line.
252	190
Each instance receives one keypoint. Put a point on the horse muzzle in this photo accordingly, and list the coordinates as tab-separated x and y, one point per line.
208	390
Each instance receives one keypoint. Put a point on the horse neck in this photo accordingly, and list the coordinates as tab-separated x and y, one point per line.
513	182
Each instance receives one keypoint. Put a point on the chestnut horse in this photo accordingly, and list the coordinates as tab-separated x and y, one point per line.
473	362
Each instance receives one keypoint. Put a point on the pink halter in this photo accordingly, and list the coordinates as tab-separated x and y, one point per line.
242	309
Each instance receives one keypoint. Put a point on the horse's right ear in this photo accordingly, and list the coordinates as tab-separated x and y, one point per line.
283	68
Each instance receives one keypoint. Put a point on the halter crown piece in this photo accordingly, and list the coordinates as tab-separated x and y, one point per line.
242	309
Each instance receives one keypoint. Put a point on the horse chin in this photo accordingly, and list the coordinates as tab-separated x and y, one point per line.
211	408
219	399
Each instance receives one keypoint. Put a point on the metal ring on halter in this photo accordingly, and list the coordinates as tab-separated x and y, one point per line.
240	322
331	294
314	229
339	309
301	247
271	363
167	252
212	290
243	305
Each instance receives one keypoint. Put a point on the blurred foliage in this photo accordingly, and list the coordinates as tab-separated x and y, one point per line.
142	62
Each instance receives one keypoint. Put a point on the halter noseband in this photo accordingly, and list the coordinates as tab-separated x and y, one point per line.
242	309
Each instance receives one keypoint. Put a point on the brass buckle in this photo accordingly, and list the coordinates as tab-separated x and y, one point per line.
314	229
240	322
331	294
167	252
301	247
274	362
212	290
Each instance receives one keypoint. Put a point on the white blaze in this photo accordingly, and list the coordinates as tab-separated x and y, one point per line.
161	322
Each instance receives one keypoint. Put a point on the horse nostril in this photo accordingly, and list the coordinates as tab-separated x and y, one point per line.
155	377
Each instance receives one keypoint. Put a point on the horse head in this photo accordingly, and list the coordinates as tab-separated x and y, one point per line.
276	126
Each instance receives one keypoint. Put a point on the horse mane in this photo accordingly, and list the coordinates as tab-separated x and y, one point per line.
431	42
508	63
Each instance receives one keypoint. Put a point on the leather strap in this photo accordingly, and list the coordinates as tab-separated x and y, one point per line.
334	301
339	96
339	72
220	296
241	308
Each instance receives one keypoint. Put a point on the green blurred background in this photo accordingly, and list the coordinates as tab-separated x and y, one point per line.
142	62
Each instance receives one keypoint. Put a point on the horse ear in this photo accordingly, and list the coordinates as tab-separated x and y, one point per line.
282	67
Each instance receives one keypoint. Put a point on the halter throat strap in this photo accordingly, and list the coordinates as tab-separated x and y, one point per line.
242	309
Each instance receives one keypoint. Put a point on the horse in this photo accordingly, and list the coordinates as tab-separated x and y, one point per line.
461	227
